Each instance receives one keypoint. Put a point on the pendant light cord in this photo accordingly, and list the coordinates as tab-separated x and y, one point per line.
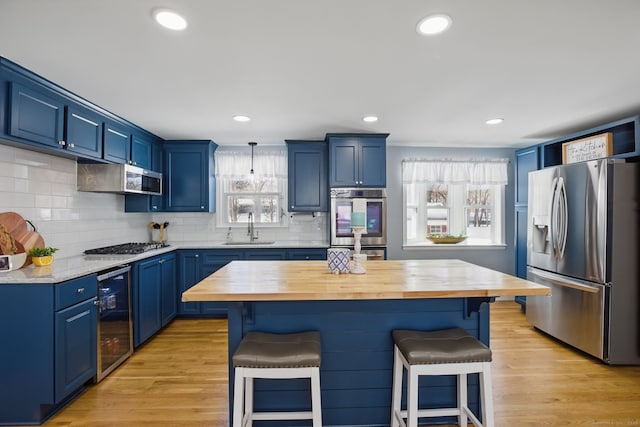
252	144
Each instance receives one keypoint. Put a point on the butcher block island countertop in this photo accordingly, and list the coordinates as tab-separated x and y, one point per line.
311	280
355	315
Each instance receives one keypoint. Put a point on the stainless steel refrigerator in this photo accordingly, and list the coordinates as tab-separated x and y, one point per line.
582	242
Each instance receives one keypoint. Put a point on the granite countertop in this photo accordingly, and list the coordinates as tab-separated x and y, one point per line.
64	269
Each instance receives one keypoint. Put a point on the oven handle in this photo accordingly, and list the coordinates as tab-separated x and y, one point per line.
113	273
374	256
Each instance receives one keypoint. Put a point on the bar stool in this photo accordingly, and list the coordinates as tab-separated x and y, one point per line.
279	356
443	352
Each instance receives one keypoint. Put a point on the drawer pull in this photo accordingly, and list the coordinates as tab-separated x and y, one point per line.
80	290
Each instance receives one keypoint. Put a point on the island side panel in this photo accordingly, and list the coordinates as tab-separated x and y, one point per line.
357	353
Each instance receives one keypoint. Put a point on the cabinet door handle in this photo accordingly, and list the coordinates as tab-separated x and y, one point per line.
161	261
197	256
201	207
96	302
62	143
80	290
72	145
293	207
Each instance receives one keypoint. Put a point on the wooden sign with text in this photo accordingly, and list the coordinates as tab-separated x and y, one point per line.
590	148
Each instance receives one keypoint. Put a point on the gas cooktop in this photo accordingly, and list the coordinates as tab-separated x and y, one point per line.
125	249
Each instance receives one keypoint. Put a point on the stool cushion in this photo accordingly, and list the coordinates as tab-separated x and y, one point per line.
265	350
444	346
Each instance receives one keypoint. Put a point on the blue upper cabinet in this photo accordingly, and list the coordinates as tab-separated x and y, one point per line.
141	151
307	176
123	144
117	143
357	160
83	131
39	115
189	176
36	115
47	117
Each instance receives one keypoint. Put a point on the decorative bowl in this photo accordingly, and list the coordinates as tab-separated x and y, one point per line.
446	239
18	260
41	261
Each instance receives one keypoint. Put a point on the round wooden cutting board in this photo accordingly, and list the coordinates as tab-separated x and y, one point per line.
25	239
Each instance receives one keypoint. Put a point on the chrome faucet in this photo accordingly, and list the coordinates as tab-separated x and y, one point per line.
251	229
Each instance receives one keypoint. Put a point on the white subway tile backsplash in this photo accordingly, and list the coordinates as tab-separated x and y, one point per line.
42	188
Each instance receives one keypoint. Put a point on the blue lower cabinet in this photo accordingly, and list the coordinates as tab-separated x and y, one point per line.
75	347
154	296
307	254
49	334
196	264
265	254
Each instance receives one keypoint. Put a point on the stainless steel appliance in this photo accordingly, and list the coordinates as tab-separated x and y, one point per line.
341	207
126	249
115	337
117	178
582	242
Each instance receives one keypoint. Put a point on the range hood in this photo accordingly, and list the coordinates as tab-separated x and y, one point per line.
118	178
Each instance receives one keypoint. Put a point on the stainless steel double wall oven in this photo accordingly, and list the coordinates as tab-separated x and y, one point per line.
374	241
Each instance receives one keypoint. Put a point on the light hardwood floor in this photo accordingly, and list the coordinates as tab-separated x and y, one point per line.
180	379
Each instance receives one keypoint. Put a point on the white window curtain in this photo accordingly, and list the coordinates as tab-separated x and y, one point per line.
447	171
237	164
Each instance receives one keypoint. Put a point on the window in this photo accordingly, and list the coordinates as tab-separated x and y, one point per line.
261	193
454	198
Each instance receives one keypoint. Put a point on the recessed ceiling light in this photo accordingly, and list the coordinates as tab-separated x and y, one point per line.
169	19
370	119
240	118
495	121
434	24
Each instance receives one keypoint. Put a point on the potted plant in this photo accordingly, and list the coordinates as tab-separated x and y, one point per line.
42	256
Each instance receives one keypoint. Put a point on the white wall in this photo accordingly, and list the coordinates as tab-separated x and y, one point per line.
498	259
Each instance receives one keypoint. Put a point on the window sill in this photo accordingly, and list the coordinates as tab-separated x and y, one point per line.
456	246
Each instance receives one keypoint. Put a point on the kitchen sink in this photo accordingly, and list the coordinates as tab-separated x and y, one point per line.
260	243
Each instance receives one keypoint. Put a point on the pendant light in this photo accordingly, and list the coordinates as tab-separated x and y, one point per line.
252	145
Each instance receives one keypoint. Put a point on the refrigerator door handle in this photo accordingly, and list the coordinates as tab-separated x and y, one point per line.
601	220
552	216
562	218
565	281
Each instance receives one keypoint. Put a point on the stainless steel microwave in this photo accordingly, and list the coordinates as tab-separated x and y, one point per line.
118	178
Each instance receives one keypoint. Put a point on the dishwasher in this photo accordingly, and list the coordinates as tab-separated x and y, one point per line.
115	337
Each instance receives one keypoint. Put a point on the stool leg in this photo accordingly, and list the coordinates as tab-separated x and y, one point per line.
463	401
316	406
238	398
248	400
396	391
486	395
412	397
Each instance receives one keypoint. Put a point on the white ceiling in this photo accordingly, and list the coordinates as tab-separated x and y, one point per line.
302	68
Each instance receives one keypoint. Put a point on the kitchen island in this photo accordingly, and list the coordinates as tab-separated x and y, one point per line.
355	315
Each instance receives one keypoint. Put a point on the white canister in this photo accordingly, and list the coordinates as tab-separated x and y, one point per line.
338	260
